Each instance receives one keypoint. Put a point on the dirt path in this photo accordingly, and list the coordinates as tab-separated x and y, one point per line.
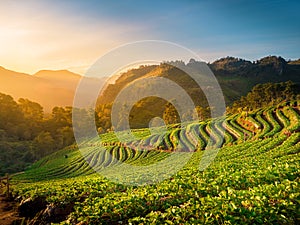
8	212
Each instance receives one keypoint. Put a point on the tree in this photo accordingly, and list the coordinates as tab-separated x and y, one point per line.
44	144
10	115
33	118
62	116
67	136
170	115
267	94
103	117
203	112
31	110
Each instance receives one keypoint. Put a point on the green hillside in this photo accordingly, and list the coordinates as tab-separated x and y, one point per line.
236	78
253	180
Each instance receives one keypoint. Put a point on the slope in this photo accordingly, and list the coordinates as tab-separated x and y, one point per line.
276	122
253	179
235	76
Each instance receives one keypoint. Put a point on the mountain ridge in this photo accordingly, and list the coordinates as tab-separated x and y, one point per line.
57	74
236	76
49	88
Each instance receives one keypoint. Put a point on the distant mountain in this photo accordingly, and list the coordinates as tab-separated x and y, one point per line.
47	87
294	62
236	76
58	75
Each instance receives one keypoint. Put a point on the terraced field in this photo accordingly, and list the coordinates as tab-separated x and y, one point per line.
253	179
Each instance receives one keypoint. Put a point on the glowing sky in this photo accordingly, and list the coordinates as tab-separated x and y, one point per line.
65	34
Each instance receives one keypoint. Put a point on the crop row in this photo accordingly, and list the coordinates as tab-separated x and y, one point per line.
255	182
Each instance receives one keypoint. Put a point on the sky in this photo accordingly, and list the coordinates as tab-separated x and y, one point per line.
73	34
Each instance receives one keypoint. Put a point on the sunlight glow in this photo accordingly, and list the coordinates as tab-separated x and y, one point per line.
31	40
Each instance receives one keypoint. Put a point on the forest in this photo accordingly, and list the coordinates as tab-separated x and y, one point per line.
27	134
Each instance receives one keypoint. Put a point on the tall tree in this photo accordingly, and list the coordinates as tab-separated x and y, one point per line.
44	144
170	115
10	114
